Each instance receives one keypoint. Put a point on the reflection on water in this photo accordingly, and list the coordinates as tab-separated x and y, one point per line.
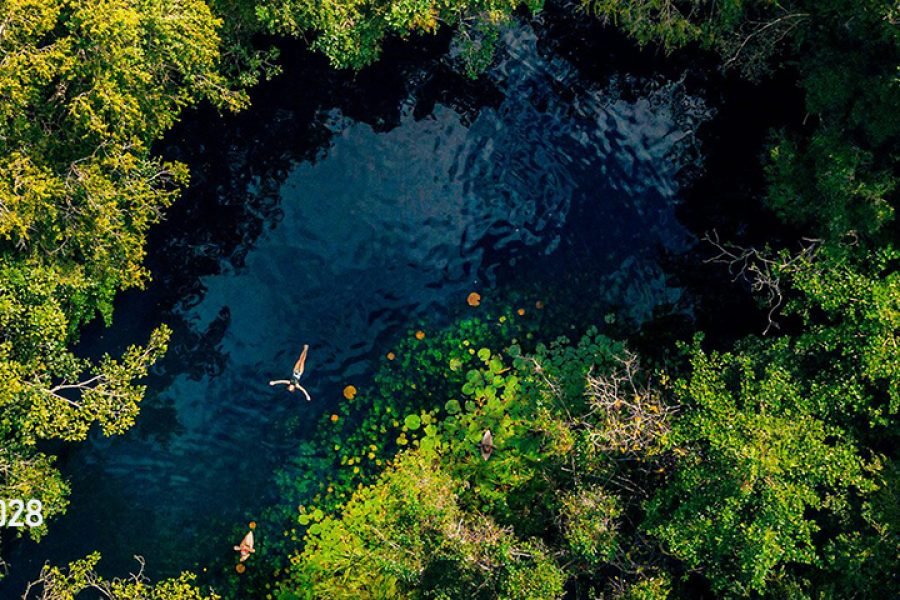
345	249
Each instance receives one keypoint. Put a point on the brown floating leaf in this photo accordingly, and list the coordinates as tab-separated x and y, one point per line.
474	299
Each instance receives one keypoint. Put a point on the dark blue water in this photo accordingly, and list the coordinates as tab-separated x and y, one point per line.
307	223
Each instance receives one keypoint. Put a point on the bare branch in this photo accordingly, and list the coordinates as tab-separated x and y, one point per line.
628	415
786	23
762	270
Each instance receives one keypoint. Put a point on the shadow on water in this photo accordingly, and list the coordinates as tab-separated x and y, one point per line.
340	211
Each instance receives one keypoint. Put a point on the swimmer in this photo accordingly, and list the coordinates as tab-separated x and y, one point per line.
487	444
294	382
246	546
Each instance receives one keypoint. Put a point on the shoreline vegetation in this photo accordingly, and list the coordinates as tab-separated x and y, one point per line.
767	468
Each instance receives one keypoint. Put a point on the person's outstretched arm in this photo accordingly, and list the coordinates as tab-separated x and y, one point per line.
280	382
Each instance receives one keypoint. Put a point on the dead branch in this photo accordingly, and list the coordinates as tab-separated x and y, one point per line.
762	270
628	414
783	26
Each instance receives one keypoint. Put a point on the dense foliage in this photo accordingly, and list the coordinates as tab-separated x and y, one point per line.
728	468
350	33
80	576
86	87
768	468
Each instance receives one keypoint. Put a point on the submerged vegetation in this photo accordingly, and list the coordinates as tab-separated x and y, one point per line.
768	468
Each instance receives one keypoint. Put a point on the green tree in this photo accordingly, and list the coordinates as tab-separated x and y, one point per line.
406	536
85	89
350	32
80	580
755	467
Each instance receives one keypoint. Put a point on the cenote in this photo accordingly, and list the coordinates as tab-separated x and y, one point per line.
347	213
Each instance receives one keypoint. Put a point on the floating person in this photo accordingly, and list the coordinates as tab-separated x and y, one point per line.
294	382
246	546
486	445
